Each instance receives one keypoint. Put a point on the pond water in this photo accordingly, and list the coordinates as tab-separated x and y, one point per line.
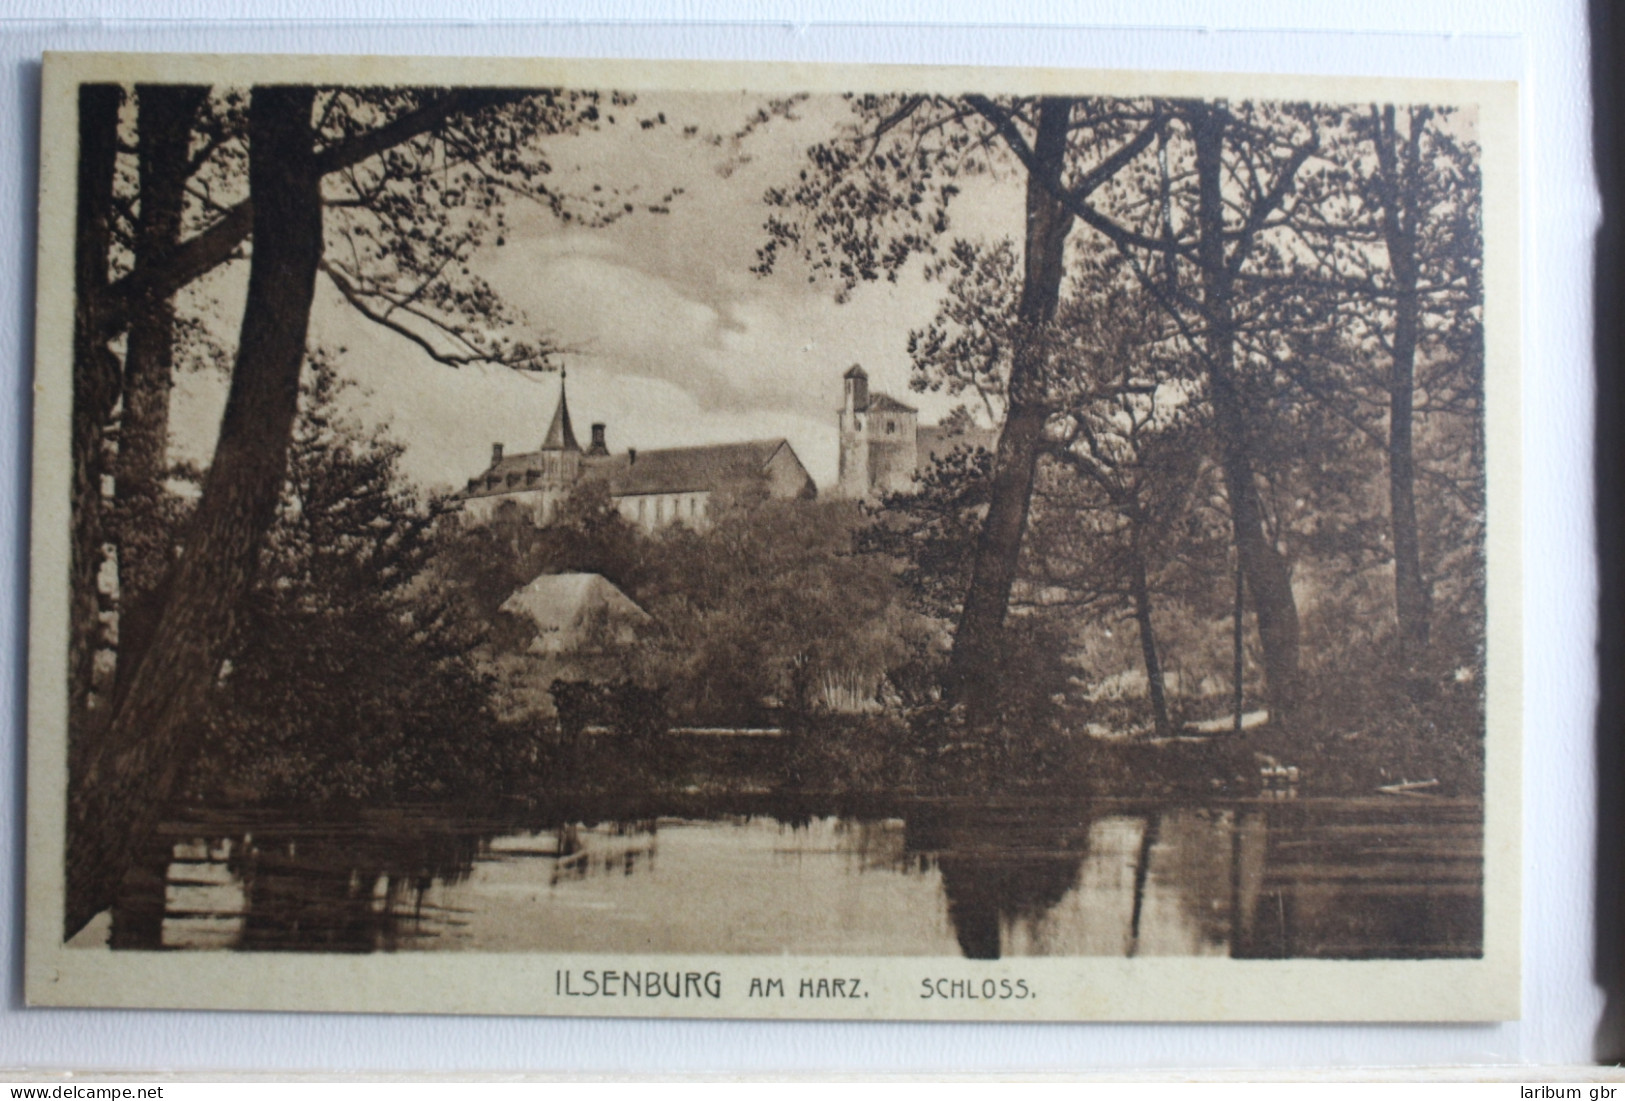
1391	877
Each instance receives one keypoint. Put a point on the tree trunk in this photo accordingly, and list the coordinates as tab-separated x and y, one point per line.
95	392
1411	598
1269	579
155	729
973	670
167	113
1238	649
1157	689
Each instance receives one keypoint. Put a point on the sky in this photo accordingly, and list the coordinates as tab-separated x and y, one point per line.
672	339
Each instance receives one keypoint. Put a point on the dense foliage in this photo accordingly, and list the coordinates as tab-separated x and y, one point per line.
348	678
1236	360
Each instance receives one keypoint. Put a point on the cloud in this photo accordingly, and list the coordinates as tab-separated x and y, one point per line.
675	340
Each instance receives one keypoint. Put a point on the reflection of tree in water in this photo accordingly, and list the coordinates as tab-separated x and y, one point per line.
358	885
1193	853
1344	879
1371	879
352	887
579	851
873	844
138	908
999	865
360	890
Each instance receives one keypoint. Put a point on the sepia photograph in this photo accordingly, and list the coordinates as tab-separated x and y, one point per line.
721	540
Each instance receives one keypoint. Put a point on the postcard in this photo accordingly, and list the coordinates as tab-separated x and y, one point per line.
774	541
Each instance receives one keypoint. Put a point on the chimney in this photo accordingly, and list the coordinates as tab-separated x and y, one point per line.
631	456
496	454
598	446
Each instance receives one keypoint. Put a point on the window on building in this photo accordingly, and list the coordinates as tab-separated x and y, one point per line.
891	426
641	503
660	510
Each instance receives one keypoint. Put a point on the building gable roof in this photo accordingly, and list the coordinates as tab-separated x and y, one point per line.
885	403
517	465
684	469
565	601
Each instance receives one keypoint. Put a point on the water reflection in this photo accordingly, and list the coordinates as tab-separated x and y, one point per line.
1348	882
1343	879
1001	867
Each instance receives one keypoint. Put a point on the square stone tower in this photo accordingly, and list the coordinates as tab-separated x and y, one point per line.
879	439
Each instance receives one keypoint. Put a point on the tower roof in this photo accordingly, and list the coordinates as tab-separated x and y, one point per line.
885	403
560	436
855	371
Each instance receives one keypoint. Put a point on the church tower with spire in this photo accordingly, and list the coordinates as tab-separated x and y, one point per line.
557	463
560	454
541	479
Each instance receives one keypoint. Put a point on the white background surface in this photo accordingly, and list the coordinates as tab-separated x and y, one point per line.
1543	43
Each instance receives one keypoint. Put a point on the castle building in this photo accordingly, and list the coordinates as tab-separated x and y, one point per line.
652	489
884	447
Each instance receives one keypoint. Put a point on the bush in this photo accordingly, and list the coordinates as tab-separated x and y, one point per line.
1383	721
346	678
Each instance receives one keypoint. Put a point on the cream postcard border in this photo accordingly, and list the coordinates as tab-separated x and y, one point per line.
1066	988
